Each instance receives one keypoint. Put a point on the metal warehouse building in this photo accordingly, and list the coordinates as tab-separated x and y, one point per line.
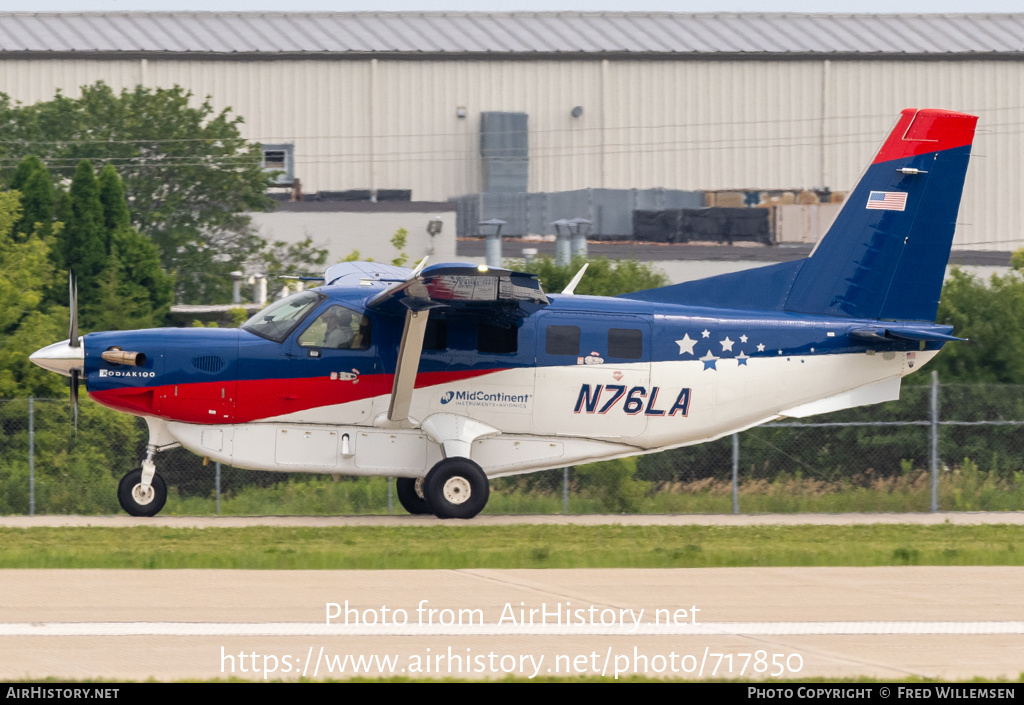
696	102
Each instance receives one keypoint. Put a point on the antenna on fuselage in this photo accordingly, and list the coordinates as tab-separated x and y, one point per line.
571	289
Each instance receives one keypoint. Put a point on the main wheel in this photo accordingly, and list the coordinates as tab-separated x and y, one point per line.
456	488
138	503
410	494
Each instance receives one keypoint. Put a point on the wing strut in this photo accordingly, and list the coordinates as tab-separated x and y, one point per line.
408	364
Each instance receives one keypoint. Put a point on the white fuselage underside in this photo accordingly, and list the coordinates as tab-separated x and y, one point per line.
551	417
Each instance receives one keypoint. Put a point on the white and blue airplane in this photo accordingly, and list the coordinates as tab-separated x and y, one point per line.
448	375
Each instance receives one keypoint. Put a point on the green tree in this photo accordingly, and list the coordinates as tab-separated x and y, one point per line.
137	293
112	200
25	325
83	243
121	284
603	277
990	317
33	181
188	175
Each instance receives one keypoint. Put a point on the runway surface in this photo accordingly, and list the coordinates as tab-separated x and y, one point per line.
736	623
961	518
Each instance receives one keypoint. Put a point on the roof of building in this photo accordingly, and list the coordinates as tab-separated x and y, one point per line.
531	34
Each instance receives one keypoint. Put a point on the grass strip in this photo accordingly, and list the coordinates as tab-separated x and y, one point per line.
545	546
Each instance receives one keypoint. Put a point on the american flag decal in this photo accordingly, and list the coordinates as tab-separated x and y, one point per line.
887	201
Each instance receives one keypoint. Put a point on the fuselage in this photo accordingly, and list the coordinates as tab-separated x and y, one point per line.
583	378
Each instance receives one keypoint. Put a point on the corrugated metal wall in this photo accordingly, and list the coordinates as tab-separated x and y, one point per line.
684	124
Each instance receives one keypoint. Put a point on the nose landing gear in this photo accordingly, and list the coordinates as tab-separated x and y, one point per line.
142	492
141	499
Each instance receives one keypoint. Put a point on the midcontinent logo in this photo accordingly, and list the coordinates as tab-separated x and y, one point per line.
481	398
125	373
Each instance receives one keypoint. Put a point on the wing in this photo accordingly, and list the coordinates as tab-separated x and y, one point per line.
468	290
465	287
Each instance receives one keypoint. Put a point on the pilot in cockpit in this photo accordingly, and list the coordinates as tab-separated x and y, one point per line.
339	332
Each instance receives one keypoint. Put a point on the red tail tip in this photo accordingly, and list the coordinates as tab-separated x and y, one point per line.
924	131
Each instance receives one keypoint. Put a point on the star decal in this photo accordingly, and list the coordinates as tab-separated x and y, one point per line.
742	358
743	338
760	347
709	361
705	333
686	344
727	344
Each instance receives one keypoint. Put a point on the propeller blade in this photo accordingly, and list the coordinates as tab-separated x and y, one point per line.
74	397
73	299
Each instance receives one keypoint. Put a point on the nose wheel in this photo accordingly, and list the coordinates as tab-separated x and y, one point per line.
141	500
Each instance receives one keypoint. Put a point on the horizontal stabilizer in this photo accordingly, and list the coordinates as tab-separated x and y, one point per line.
893	334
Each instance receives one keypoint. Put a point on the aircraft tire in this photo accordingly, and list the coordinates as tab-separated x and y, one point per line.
131	504
456	488
412	501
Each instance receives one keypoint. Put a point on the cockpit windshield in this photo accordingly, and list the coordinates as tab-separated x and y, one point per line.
278	320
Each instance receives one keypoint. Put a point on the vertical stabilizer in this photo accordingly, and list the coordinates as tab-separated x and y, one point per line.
886	253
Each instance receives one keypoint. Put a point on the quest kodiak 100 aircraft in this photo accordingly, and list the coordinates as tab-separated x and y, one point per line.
451	374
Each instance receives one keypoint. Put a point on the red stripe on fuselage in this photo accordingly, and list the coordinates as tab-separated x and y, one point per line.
259	399
924	131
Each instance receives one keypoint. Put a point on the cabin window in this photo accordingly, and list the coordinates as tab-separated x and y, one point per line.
497	339
338	328
277	321
436	335
562	340
625	343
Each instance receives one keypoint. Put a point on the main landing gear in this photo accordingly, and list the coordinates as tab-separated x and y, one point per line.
410	494
455	488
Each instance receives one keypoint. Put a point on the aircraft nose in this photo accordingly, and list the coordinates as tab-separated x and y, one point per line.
60	357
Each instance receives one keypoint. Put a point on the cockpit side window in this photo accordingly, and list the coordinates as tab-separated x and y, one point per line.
338	328
277	321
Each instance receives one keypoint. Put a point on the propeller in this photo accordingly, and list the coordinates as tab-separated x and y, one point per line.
68	356
73	342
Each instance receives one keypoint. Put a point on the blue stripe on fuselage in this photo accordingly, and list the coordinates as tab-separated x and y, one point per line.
171	351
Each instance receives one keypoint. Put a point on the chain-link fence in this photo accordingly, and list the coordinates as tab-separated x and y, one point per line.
941	447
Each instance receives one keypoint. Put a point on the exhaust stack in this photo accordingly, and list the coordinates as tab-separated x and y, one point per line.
116	356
